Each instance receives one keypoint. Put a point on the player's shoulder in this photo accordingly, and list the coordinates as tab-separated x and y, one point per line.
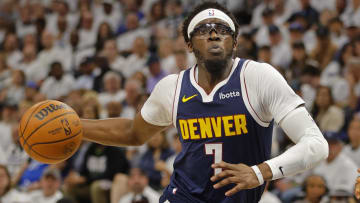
257	70
168	81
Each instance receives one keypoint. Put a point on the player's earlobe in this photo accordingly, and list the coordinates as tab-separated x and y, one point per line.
190	47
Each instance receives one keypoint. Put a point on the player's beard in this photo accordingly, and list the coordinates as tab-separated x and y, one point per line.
216	67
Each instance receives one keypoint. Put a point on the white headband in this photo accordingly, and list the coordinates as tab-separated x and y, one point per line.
209	13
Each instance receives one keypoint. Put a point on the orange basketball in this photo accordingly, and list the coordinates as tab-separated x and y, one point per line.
50	131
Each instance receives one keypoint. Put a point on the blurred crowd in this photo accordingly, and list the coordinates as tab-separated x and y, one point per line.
104	57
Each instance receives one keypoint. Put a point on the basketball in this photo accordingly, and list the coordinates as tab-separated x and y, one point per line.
50	131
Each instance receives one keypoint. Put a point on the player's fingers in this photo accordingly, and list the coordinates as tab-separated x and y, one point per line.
358	179
225	181
222	174
222	164
234	190
358	170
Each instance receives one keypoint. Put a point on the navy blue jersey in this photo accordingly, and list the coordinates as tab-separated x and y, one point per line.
221	129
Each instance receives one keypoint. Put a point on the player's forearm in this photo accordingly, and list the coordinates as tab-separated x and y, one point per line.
114	131
311	148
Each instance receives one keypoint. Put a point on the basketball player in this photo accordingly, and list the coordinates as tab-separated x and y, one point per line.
224	111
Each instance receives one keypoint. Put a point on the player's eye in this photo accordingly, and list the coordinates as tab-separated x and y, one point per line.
222	29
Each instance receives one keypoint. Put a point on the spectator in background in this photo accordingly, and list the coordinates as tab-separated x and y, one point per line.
262	34
338	170
264	54
50	53
87	31
298	63
156	13
327	115
131	23
352	77
108	12
337	34
310	81
315	190
352	149
137	60
166	55
14	155
93	182
110	52
49	187
5	71
33	69
112	89
181	59
57	84
11	50
7	194
139	189
246	46
24	24
30	175
88	73
280	50
104	33
8	116
133	91
63	35
14	90
325	49
158	149
156	72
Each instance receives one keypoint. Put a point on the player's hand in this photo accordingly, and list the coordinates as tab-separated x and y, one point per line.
357	186
240	174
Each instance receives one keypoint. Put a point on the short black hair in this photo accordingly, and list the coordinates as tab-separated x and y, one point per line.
204	6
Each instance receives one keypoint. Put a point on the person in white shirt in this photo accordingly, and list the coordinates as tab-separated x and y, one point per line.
32	67
87	31
133	92
110	51
52	53
280	50
50	187
352	149
338	170
8	194
58	84
137	60
112	89
139	188
192	97
10	48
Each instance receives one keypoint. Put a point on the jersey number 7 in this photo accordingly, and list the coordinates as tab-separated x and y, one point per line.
214	149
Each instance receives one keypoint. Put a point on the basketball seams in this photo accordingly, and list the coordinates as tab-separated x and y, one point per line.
27	122
46	122
52	142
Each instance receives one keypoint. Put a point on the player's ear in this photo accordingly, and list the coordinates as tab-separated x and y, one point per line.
189	46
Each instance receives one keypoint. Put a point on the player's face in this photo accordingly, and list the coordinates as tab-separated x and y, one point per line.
212	42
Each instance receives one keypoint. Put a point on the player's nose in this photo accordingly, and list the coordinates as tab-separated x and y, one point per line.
213	35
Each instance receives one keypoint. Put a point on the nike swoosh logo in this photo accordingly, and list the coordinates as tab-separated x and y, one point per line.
281	170
185	99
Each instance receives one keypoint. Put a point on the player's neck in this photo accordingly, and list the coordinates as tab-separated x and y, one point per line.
208	80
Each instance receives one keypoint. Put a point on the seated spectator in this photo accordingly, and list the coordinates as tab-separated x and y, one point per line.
5	71
8	194
137	60
112	89
280	49
353	148
104	33
158	149
327	115
264	54
133	91
139	188
32	68
30	175
50	187
110	52
315	189
58	84
8	117
309	79
11	50
338	170
88	73
167	167
93	182
156	72
14	90
324	50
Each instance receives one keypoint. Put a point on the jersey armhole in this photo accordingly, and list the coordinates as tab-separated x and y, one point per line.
245	96
176	97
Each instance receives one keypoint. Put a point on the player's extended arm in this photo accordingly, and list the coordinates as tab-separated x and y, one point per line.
119	131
